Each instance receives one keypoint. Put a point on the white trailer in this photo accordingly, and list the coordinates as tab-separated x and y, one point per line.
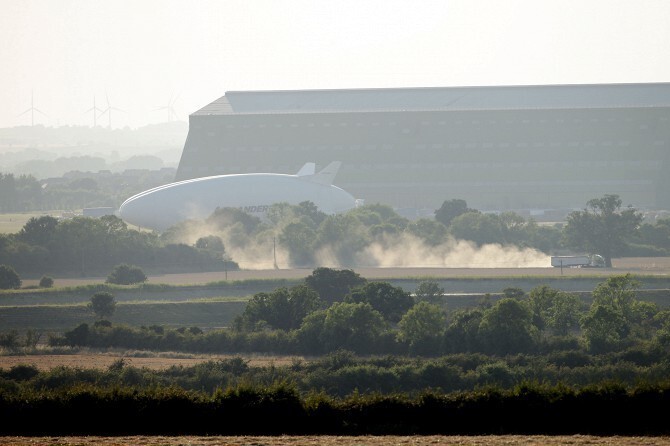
585	261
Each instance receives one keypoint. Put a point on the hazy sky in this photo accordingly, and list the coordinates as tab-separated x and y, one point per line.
144	53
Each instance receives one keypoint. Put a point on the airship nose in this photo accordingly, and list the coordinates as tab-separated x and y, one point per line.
131	211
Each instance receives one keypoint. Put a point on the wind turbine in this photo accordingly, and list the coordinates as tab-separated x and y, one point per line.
95	111
32	110
171	114
108	110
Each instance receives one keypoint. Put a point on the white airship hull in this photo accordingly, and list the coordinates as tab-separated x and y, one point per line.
254	193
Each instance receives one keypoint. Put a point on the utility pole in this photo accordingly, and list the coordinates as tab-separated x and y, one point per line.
274	252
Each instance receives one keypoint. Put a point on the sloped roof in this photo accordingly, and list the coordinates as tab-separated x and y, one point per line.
448	98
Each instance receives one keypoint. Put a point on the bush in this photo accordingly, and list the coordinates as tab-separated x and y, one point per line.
46	282
126	275
103	304
9	279
9	340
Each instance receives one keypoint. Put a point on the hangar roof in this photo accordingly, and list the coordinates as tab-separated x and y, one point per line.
447	98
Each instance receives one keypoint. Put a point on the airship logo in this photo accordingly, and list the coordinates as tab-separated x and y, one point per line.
164	206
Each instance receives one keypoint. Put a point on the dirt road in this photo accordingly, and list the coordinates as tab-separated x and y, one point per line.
634	265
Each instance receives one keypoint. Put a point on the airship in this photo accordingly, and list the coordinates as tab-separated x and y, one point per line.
164	206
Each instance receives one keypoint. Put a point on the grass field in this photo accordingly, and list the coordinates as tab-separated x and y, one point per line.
12	223
659	266
203	314
325	440
198	300
89	359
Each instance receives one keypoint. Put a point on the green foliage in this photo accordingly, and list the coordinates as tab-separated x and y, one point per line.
392	302
423	327
299	239
46	282
431	232
211	243
282	309
345	395
451	209
9	279
602	228
463	331
103	304
19	193
93	246
352	326
333	285
223	218
9	340
507	327
39	231
513	293
126	275
554	310
429	291
614	313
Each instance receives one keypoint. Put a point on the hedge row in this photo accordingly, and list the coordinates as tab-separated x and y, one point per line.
601	410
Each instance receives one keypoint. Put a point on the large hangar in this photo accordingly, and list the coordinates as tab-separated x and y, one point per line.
499	148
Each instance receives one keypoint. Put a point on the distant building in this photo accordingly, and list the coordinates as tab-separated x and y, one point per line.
516	147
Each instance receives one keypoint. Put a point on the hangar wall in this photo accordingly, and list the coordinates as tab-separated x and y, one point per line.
497	159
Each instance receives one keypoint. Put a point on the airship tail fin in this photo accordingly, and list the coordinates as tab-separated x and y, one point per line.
307	169
327	174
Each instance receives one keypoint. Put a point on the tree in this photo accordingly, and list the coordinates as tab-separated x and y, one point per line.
46	282
554	309
343	236
614	314
333	285
451	209
602	227
282	309
308	209
463	332
9	279
392	302
354	326
102	304
430	292
126	275
480	228
507	327
38	231
299	239
422	327
430	231
211	243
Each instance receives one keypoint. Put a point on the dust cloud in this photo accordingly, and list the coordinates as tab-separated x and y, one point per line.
407	250
263	251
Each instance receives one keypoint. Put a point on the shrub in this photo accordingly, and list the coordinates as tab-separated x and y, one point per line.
9	279
46	282
102	304
126	275
9	340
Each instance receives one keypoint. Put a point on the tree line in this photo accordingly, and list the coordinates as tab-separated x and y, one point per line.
47	245
337	309
602	227
25	193
278	409
88	246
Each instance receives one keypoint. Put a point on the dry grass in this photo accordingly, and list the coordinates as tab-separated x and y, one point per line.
510	440
104	360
